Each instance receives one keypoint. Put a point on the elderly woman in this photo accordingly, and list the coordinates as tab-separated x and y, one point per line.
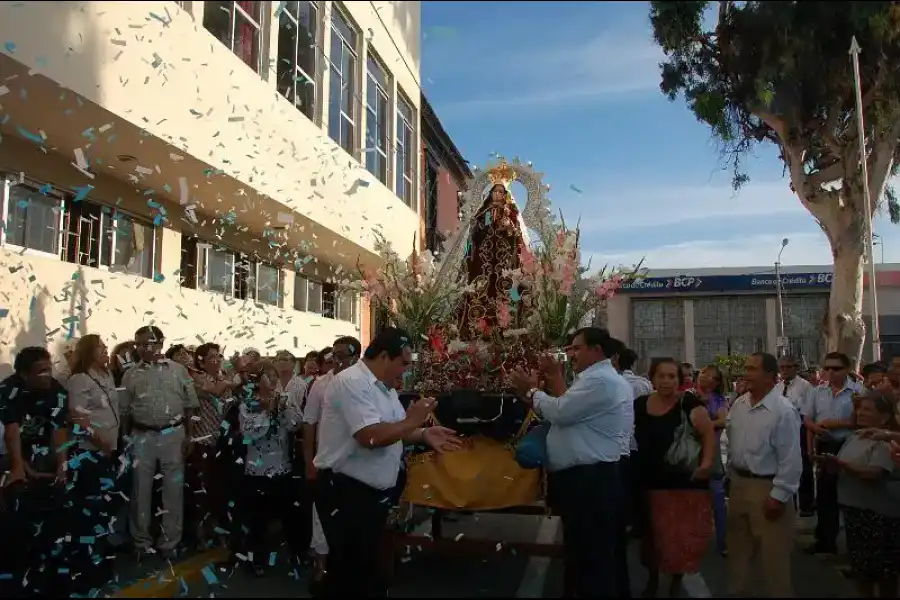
867	496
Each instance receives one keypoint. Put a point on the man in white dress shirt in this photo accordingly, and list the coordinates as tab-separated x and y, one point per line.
798	391
361	435
764	461
345	352
590	428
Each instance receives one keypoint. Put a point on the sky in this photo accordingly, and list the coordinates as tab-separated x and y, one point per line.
574	88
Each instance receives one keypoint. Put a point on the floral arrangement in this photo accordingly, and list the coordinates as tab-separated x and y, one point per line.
560	293
413	292
446	363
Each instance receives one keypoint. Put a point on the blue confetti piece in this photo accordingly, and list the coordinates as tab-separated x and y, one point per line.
87	539
10	47
30	136
83	191
272	557
209	576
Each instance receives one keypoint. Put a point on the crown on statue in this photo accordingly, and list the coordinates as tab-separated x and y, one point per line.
503	173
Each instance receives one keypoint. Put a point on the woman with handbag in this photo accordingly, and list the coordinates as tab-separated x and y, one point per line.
677	458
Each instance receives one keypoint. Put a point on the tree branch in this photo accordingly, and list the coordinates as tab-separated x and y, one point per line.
883	164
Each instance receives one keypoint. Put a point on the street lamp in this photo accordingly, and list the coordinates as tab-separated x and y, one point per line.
782	342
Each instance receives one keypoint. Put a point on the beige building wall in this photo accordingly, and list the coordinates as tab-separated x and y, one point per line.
193	138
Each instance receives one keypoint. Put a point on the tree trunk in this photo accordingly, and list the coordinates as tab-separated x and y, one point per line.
844	328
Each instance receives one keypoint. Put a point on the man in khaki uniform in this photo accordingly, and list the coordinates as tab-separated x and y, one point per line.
159	400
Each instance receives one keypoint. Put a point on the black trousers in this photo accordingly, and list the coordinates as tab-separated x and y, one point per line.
95	502
32	523
354	516
828	521
806	495
264	499
589	501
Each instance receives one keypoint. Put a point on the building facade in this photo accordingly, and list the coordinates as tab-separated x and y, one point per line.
217	169
445	175
698	314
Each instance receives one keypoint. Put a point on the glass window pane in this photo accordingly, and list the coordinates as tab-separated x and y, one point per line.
346	134
314	299
300	292
33	220
287	53
342	26
308	19
220	271
334	107
217	20
371	141
253	8
246	41
267	280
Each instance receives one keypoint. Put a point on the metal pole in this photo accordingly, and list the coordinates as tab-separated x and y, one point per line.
864	164
780	306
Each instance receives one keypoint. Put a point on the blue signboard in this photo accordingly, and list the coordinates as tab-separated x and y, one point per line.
763	282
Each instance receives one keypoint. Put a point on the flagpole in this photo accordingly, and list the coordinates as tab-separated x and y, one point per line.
870	246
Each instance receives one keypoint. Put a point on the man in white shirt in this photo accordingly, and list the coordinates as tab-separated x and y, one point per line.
798	390
765	465
344	353
590	428
361	434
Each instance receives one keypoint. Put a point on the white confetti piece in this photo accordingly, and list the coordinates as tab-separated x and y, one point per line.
3	90
286	218
183	189
80	160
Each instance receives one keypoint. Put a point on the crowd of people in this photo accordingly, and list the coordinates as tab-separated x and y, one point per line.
147	451
141	451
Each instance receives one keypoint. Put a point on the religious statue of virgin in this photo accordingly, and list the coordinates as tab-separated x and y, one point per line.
496	238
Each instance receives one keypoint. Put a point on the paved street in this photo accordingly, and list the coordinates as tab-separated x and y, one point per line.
496	575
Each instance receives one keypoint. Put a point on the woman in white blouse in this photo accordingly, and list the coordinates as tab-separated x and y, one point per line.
94	417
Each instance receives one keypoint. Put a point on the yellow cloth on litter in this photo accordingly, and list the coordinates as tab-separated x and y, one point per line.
483	475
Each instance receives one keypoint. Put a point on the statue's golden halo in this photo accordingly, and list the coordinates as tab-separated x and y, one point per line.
503	173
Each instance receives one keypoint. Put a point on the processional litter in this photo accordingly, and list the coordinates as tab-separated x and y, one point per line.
495	301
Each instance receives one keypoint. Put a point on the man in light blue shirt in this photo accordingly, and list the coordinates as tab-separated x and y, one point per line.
590	431
828	417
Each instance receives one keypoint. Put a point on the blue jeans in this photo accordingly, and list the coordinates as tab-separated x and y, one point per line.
717	486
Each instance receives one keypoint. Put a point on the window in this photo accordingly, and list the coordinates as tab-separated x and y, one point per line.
307	295
378	119
406	153
268	284
237	25
104	237
298	55
342	95
32	216
129	245
348	307
433	237
215	269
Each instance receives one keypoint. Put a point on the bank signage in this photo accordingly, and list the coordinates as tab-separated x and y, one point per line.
763	282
